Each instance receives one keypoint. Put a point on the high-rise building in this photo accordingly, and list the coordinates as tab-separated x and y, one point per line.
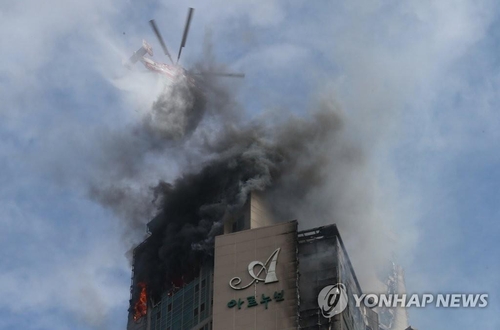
262	276
324	262
392	278
391	281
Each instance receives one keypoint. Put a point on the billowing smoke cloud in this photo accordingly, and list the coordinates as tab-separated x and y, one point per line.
176	119
305	166
177	111
283	159
132	160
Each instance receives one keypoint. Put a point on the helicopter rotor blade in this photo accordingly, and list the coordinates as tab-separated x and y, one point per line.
186	30
221	74
160	39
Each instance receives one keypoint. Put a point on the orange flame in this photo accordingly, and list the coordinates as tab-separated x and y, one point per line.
141	306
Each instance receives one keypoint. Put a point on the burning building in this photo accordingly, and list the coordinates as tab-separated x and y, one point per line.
260	275
218	257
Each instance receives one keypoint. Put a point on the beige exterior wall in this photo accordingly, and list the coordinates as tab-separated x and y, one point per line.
254	214
233	253
260	216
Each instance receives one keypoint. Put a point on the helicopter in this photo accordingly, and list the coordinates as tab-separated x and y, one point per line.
172	71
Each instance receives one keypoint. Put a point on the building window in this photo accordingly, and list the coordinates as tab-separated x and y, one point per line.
169	308
158	315
195	312
202	308
196	288
203	283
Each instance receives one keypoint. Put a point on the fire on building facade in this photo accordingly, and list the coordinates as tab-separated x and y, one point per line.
261	276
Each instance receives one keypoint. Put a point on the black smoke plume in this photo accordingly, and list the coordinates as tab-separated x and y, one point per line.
128	167
299	164
278	160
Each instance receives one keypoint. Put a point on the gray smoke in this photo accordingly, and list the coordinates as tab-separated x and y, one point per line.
308	167
132	160
177	111
283	159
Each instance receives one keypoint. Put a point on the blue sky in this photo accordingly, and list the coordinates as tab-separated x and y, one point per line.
417	82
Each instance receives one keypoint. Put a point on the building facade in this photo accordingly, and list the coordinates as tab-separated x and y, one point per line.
323	261
255	279
190	307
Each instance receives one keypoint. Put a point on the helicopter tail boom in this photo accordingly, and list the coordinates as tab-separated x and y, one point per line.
140	53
